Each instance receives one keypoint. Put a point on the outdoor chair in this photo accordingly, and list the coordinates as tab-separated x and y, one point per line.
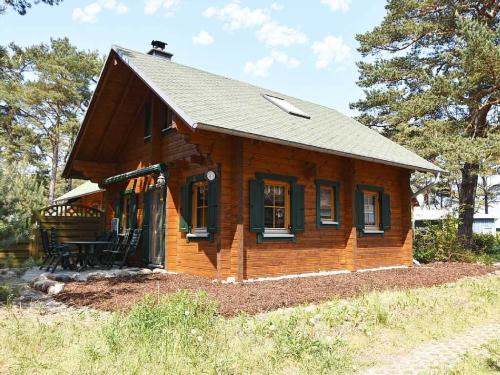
121	254
108	255
49	255
62	253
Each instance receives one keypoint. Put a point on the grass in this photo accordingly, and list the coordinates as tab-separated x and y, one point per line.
7	293
182	334
486	362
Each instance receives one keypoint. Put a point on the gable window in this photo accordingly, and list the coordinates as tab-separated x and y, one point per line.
199	207
327	203
373	209
276	207
147	121
167	118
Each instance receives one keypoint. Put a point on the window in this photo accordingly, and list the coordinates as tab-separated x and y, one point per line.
167	118
373	209
276	206
125	211
147	121
327	203
200	205
286	106
371	204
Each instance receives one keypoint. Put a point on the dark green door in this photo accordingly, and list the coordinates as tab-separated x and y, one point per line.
156	226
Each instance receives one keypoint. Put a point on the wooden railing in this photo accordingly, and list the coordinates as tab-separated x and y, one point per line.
68	210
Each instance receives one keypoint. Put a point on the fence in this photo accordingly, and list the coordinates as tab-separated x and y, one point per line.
73	223
16	252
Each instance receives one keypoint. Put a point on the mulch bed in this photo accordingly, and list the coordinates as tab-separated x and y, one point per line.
122	293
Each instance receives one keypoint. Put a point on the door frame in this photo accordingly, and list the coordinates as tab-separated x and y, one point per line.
163	220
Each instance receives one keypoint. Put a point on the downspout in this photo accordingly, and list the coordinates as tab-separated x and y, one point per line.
433	182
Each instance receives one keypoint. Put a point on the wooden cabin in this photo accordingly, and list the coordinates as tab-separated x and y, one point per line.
88	194
230	180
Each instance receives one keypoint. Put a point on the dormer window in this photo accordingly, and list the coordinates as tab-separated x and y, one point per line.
286	106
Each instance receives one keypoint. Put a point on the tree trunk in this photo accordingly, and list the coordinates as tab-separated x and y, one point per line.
53	172
486	192
466	198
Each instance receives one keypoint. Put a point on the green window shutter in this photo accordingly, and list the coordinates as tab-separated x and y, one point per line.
386	211
360	209
257	206
298	215
132	211
146	213
213	197
185	211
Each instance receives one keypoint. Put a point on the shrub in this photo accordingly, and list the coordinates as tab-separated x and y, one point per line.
486	244
439	242
8	293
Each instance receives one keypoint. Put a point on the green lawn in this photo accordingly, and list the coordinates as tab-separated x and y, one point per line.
183	334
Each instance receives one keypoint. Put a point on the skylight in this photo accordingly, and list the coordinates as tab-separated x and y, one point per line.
286	106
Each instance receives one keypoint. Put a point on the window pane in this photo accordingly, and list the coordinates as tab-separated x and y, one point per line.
279	196
268	195
280	217
369	205
268	217
325	202
199	217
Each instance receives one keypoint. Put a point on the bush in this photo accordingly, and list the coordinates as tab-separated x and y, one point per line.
440	243
8	293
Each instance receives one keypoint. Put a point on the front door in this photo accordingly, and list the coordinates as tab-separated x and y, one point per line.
154	226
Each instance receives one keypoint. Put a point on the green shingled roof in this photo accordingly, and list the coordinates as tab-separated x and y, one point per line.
209	101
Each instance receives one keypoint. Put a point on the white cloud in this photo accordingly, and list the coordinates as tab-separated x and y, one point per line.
330	49
89	13
336	5
203	38
261	67
236	17
277	6
283	58
274	34
153	6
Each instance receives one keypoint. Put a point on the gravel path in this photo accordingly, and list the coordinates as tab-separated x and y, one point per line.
436	356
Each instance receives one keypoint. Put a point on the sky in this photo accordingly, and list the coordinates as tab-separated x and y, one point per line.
305	49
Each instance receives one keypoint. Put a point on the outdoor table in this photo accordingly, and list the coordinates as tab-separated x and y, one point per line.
87	250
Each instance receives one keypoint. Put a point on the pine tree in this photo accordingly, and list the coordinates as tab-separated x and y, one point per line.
55	85
431	77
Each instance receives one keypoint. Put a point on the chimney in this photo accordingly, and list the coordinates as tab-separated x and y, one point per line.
159	50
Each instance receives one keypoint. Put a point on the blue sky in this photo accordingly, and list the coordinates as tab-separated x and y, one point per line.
302	48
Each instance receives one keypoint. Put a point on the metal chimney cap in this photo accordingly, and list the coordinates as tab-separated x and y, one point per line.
158	44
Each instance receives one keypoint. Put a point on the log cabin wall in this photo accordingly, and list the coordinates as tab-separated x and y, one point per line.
321	249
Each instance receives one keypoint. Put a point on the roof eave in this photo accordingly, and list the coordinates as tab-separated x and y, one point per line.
317	149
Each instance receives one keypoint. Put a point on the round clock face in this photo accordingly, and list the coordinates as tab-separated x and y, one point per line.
210	175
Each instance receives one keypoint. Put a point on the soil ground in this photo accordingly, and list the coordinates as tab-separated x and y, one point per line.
252	298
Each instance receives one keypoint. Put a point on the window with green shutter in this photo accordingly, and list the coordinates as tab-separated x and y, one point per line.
327	204
373	209
199	207
276	207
